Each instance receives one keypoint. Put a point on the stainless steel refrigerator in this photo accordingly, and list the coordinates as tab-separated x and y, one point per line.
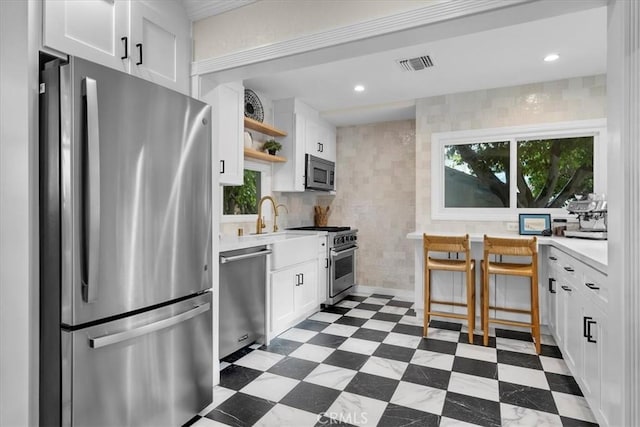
125	201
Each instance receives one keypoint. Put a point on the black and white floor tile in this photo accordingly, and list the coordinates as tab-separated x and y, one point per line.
364	362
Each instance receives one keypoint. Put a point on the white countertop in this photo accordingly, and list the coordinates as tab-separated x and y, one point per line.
591	252
231	243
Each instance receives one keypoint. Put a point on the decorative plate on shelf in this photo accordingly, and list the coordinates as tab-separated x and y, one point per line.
253	106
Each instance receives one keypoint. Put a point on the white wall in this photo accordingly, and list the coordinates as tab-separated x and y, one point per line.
579	98
18	213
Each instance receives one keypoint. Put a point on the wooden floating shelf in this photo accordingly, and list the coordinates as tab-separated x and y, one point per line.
261	155
262	127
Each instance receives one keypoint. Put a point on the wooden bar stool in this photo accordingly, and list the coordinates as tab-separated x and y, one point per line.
510	247
450	244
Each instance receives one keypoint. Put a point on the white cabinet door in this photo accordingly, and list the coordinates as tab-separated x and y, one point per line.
323	268
552	300
320	139
306	290
290	175
594	343
312	138
574	328
96	30
227	102
329	142
562	301
160	43
283	308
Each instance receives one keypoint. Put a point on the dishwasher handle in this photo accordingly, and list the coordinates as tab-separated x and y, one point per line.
226	259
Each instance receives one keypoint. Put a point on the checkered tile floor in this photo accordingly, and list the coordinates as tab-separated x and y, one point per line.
364	362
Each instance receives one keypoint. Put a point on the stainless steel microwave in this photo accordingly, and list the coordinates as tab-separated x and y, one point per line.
320	174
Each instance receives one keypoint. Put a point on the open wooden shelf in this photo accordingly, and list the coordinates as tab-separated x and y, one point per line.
261	155
262	127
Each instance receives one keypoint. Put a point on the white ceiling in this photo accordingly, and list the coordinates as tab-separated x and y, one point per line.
502	57
200	9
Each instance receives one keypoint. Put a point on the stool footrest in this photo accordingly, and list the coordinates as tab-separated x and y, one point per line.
510	310
457	304
510	322
451	315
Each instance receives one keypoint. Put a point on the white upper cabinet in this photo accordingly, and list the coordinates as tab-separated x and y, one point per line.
320	139
227	102
95	30
145	38
307	133
160	43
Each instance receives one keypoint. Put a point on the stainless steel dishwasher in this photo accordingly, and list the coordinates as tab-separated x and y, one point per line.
243	274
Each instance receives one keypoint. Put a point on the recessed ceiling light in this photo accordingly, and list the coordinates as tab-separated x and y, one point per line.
551	57
359	88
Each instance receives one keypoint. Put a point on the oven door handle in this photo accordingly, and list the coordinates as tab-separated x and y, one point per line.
345	251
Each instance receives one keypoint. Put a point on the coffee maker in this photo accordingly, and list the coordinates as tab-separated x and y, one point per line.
592	217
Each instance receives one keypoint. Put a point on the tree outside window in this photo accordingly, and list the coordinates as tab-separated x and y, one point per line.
548	172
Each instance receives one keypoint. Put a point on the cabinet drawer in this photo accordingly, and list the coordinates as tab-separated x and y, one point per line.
596	282
289	252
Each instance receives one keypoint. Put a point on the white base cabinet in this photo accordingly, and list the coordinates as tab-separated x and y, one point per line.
293	284
149	39
577	297
323	269
293	295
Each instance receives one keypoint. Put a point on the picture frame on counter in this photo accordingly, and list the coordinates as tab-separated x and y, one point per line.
534	224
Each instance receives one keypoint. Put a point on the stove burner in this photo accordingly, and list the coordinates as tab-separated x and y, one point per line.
329	229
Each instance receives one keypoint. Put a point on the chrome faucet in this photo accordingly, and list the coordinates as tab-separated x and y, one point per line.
260	222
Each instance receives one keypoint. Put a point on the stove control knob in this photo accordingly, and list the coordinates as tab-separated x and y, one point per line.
355	238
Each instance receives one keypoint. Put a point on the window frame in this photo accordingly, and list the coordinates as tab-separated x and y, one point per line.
265	190
596	128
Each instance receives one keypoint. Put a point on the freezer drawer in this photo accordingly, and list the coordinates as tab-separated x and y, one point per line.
151	369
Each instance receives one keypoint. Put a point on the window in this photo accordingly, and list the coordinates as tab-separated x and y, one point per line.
494	174
240	203
243	199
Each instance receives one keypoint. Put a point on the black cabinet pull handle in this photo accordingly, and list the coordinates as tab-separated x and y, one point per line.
302	278
569	269
566	288
221	166
551	281
126	47
297	280
592	286
584	325
589	336
552	258
321	147
326	263
139	46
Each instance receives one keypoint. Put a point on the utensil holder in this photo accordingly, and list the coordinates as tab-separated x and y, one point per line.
320	219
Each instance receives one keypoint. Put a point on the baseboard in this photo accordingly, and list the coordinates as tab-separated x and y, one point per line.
404	293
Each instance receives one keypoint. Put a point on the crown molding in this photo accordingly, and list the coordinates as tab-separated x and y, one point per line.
433	13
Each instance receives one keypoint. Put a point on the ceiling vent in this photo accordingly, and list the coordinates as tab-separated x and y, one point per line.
415	64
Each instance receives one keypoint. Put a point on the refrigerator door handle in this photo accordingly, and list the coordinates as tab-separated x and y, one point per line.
91	199
147	329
